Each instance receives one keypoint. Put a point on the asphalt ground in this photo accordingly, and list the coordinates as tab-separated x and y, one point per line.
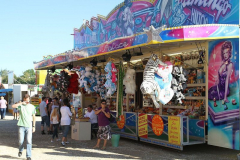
43	149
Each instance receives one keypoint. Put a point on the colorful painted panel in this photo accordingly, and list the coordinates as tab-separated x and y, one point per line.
123	27
223	93
131	17
130	128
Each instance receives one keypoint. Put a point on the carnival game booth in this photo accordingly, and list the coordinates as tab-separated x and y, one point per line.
185	74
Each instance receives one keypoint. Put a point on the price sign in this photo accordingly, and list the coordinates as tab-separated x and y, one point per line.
121	122
157	125
174	135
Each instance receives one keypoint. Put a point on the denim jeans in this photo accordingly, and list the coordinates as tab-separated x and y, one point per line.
55	131
3	112
45	119
66	129
22	132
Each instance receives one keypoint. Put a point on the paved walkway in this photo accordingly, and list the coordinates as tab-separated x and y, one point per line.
43	149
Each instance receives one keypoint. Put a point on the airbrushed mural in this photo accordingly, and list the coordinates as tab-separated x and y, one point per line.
127	24
132	16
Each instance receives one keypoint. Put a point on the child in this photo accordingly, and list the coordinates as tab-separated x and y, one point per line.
15	114
55	120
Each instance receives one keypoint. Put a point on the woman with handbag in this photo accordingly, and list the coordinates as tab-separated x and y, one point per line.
65	120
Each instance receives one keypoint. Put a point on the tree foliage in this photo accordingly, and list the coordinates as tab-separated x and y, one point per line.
28	77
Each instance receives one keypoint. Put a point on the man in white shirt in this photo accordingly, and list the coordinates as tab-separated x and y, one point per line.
93	119
44	115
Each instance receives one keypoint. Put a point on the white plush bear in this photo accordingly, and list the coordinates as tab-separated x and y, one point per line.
97	76
88	72
129	81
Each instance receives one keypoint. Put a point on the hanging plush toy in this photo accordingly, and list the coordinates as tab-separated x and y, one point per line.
114	72
129	81
163	77
63	81
73	86
149	85
111	75
179	83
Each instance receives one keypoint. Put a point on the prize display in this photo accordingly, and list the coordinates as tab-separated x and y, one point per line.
151	87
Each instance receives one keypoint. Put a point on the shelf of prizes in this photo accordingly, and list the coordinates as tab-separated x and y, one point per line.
181	121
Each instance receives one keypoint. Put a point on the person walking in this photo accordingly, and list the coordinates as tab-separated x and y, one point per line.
55	121
44	115
3	107
49	110
65	120
26	125
104	130
55	104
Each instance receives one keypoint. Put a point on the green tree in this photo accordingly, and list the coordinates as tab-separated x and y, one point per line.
4	75
28	77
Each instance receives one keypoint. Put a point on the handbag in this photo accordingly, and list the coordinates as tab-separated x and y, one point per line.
72	121
111	119
72	117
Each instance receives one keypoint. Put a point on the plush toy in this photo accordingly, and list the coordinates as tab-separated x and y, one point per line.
111	75
149	85
108	67
129	82
88	72
114	72
73	86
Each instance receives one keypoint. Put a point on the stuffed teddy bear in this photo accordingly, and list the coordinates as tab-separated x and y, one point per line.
129	82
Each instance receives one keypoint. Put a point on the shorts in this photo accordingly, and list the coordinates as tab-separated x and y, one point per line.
15	110
65	130
104	132
46	120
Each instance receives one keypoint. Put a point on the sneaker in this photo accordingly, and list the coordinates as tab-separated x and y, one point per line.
28	158
43	133
58	139
19	154
51	140
63	144
60	133
67	142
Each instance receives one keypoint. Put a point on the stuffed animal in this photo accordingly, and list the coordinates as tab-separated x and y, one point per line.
129	81
114	72
149	85
110	84
73	86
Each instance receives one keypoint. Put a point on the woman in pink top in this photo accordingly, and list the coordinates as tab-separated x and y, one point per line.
3	107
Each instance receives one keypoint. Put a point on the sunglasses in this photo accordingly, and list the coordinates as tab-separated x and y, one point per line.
104	103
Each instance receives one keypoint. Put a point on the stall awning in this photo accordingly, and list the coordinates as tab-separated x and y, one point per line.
2	94
5	90
164	36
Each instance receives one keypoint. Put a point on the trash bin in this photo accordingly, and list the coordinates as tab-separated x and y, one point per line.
115	140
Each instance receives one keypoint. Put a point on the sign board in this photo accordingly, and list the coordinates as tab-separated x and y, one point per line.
174	133
143	125
157	125
121	122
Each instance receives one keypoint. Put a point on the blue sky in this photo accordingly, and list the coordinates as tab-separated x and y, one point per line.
30	30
